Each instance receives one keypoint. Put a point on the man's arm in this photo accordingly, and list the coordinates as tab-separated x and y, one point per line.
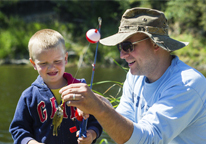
118	128
103	99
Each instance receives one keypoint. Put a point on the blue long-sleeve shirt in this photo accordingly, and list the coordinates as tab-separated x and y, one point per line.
169	110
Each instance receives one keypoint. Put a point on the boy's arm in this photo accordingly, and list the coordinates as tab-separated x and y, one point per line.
94	125
21	125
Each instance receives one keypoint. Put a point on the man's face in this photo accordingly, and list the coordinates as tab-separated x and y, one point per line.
142	59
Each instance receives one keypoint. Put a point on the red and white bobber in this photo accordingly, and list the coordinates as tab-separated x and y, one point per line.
93	35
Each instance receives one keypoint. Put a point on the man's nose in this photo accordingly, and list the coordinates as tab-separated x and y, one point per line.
123	54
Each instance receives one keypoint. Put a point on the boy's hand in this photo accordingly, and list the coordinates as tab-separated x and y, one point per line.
81	113
91	135
34	142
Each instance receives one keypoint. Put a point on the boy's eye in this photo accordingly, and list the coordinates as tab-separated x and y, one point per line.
58	61
43	63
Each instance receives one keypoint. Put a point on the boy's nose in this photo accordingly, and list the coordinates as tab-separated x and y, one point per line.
51	66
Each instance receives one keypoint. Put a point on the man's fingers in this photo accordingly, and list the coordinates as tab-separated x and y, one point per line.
66	91
81	96
81	113
72	97
69	87
75	103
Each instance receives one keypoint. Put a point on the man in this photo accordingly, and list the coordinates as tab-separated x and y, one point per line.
163	101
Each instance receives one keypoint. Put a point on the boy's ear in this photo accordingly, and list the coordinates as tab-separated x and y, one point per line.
33	63
66	57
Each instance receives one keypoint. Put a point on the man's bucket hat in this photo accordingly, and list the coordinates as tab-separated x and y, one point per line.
148	21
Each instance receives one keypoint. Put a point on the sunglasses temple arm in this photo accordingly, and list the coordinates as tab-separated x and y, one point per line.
140	40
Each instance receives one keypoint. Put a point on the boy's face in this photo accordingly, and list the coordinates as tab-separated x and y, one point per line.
50	65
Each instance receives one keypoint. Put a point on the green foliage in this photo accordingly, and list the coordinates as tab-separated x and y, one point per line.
14	39
194	54
186	15
187	22
114	99
103	141
82	15
125	69
72	20
189	14
6	40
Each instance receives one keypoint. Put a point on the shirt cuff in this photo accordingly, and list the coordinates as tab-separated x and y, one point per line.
26	140
136	135
95	130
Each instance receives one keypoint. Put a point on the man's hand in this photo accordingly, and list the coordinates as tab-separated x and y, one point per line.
84	98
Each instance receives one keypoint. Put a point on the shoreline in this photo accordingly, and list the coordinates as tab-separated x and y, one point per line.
26	62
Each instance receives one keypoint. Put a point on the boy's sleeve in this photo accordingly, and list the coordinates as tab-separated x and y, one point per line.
21	125
82	80
93	124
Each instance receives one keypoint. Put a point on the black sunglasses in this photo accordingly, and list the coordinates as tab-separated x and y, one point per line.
128	46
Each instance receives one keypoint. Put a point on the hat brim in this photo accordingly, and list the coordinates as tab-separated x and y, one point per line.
116	38
168	43
163	41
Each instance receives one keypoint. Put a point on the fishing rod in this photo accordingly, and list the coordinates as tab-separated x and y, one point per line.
93	36
92	39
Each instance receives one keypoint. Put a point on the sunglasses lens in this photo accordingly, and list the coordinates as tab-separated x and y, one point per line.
125	46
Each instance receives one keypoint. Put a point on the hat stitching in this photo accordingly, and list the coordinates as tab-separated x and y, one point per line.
149	29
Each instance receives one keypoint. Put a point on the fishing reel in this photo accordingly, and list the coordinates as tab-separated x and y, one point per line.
79	125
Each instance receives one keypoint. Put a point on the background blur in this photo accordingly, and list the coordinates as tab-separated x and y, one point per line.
20	19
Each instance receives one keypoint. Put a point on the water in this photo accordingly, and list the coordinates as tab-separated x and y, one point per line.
15	79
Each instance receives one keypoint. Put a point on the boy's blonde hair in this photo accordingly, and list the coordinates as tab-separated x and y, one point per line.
45	39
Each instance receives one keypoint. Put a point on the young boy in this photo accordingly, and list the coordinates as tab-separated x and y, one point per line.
35	111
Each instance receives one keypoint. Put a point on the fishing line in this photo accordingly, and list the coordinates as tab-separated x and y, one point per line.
93	36
80	64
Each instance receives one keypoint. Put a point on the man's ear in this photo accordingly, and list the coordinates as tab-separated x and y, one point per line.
33	63
156	47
